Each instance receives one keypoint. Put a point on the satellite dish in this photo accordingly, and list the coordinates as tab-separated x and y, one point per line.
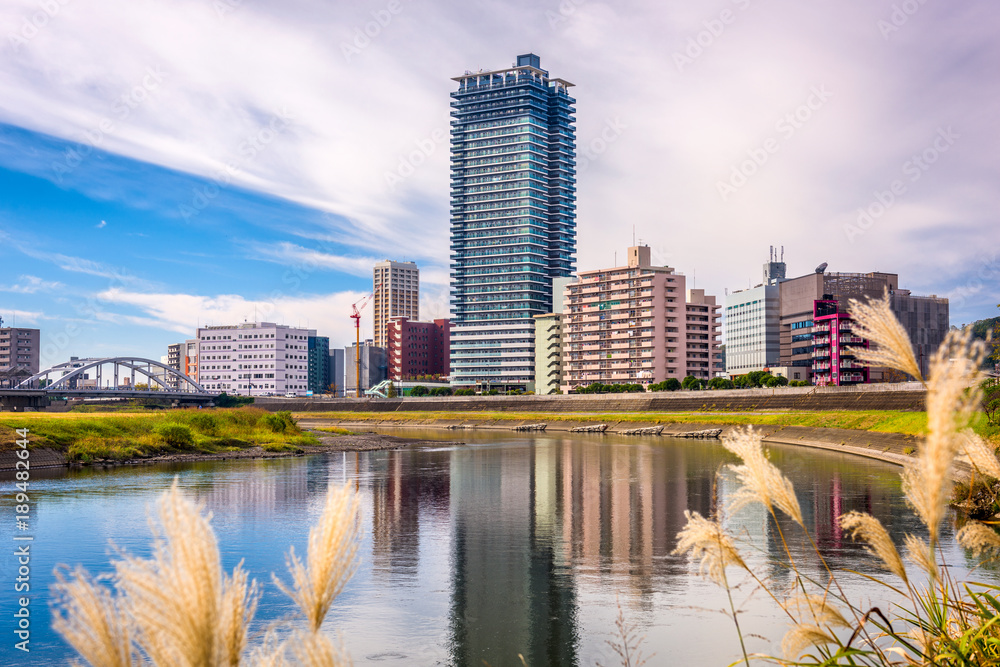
822	267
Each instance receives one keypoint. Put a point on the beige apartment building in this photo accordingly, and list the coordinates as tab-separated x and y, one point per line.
396	286
637	324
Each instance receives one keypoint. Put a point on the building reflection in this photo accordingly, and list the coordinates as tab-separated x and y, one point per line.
539	525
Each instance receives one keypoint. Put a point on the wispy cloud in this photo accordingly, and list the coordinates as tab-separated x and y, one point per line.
31	285
101	225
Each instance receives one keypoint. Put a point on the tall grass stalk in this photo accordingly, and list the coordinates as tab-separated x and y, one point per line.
178	607
940	621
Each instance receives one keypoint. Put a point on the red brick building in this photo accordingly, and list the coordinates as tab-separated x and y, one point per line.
418	348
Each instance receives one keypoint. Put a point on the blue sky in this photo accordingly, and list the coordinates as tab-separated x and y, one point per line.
164	165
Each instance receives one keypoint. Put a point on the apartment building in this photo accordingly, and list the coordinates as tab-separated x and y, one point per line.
20	347
254	359
637	324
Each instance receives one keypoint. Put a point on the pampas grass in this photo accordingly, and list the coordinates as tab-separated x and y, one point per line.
891	344
706	541
178	608
871	530
760	480
941	623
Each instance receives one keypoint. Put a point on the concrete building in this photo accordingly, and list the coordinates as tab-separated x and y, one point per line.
253	359
20	350
925	318
335	363
374	367
513	216
319	364
418	349
637	324
396	286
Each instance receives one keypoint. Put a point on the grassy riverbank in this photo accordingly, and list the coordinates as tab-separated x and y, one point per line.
879	421
85	437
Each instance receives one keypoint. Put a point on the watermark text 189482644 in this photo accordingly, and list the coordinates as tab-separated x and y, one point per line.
22	542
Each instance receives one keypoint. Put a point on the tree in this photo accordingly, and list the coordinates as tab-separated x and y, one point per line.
670	384
991	399
331	388
391	392
692	383
419	390
720	383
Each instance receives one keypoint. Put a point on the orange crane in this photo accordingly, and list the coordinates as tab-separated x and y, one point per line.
356	316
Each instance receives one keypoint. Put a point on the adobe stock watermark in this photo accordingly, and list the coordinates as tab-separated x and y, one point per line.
567	8
712	30
913	169
247	151
786	127
899	16
599	145
225	7
408	163
121	109
363	35
35	23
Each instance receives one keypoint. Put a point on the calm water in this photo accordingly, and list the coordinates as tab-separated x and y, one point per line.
480	550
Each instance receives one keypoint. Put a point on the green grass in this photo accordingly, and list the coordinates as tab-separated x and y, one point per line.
119	436
879	421
336	430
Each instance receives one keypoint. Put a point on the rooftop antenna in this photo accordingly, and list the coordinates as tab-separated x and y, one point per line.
782	253
633	235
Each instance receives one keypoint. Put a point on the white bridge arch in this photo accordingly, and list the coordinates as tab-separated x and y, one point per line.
113	375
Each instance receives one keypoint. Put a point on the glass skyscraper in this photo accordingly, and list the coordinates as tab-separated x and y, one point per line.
513	216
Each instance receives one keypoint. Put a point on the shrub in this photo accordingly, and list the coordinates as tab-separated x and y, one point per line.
441	391
775	381
420	390
465	392
205	422
692	383
175	435
273	423
224	400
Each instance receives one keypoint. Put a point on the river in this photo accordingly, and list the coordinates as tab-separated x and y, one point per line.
483	549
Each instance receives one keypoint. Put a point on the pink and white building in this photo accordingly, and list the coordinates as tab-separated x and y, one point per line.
637	324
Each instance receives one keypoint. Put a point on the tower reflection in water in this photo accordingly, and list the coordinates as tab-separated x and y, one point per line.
539	526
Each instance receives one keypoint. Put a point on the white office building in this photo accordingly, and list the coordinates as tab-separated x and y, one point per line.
751	324
254	359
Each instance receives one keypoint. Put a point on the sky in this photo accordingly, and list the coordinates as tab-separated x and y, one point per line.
165	165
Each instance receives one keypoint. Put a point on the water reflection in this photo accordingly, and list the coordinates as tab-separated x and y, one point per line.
502	546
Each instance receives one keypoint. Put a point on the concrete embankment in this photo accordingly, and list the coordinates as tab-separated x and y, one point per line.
894	448
907	397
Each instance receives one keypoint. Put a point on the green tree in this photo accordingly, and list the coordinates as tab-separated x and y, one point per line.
391	391
419	390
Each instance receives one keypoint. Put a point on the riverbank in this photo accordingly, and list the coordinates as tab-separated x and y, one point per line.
896	448
104	439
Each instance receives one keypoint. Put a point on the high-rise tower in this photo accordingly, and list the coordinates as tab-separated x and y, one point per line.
513	216
396	286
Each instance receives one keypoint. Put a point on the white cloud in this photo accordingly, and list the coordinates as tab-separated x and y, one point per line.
184	313
101	225
356	119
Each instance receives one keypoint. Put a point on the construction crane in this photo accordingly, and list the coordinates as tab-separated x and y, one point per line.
357	307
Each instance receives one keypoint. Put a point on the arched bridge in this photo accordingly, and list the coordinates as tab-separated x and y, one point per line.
112	377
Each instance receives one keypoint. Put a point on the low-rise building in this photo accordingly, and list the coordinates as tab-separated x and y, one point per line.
418	349
374	363
253	359
925	318
637	324
834	344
